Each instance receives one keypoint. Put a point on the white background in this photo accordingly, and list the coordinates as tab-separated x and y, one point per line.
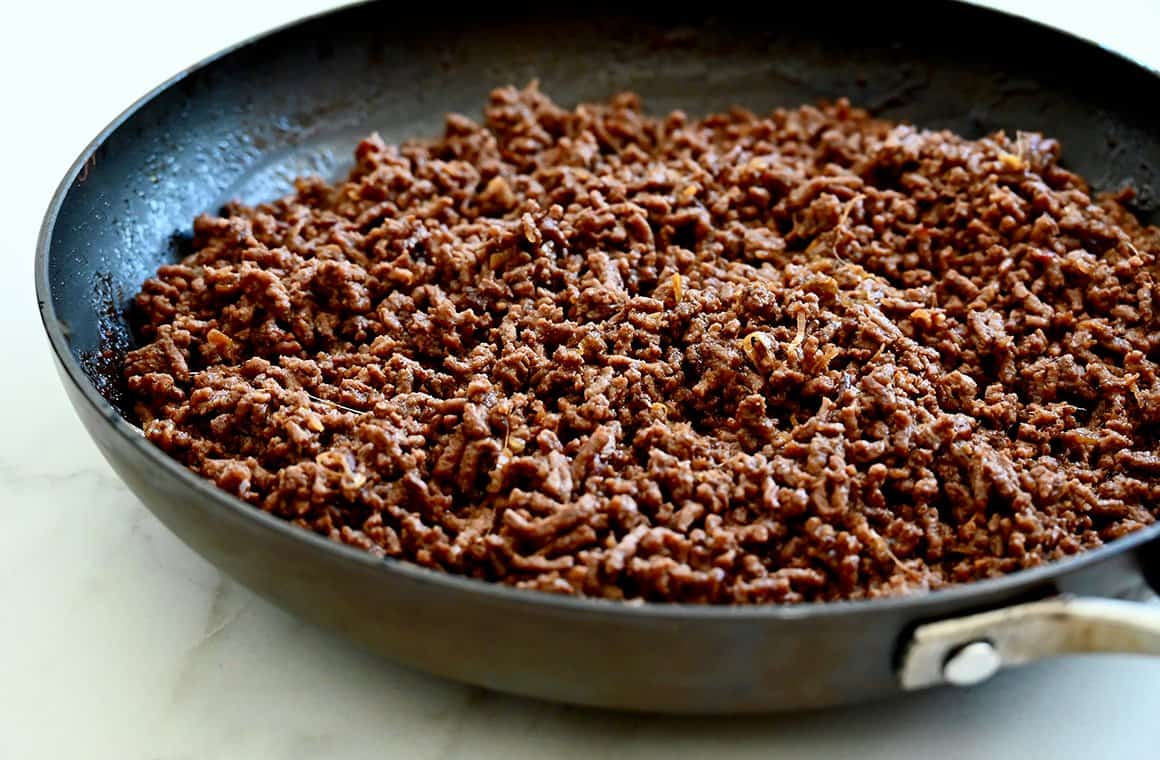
117	642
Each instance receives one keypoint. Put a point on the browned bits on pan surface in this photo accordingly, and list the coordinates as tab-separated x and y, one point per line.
808	356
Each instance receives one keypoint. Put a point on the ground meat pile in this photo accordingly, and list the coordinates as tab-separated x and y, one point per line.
806	356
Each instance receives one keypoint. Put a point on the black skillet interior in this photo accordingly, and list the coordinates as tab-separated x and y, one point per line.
297	102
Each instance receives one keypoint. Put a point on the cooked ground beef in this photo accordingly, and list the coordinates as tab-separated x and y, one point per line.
805	356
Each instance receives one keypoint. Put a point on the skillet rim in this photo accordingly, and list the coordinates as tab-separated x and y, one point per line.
959	595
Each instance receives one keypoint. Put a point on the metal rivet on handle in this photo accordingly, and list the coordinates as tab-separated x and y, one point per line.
972	663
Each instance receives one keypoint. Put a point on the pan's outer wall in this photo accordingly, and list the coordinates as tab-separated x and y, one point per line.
297	101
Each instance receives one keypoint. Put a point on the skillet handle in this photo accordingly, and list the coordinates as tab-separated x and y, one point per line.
967	650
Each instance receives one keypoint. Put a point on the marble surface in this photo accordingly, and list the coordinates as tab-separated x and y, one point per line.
116	641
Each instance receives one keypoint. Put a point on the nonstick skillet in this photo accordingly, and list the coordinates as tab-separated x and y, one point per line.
244	123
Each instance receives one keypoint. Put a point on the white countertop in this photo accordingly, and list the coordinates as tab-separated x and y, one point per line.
116	641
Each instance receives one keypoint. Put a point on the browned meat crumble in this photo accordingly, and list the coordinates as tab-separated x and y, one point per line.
805	356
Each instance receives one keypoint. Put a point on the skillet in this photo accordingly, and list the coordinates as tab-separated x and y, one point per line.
245	122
